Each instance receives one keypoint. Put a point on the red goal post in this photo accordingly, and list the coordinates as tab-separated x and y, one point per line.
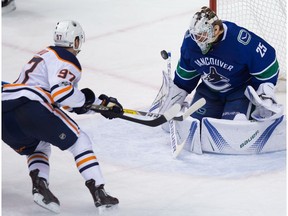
266	18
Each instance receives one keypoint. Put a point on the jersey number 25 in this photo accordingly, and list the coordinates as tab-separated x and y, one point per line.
261	49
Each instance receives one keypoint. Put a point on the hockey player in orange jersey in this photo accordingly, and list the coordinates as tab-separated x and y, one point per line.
32	119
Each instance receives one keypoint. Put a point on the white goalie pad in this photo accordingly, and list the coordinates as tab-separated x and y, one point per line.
243	137
185	135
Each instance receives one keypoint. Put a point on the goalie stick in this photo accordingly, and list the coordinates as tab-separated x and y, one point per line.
175	147
173	138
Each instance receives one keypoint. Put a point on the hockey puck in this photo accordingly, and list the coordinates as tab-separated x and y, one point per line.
164	54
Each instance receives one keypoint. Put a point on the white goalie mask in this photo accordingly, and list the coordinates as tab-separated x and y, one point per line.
202	29
66	32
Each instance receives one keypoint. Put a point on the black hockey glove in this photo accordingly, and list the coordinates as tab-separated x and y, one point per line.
89	100
114	106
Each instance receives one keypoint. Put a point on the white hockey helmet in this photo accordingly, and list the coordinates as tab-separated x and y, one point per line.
66	32
202	28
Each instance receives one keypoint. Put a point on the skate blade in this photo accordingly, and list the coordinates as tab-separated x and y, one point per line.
106	208
53	207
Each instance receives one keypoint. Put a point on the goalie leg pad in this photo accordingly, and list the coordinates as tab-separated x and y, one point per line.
185	135
192	142
243	137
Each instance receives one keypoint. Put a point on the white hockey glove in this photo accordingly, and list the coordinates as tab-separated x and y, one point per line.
173	95
169	94
266	107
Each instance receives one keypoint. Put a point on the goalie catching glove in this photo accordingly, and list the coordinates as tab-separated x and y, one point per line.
266	107
173	95
169	95
114	106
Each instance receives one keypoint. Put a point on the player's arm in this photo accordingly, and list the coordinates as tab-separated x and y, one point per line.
63	86
65	93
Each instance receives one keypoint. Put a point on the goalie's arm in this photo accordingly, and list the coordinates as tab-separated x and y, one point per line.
186	77
266	106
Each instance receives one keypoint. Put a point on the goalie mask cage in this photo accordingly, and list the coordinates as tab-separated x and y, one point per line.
266	18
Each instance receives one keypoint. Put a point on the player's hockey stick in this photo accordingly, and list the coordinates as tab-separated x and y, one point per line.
160	118
156	115
128	111
141	113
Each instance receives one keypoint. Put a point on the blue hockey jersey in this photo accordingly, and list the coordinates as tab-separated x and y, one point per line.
239	59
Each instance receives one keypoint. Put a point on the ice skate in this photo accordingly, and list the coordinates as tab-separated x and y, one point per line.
101	199
8	6
41	193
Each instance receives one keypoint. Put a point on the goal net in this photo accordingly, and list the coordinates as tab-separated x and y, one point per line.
266	18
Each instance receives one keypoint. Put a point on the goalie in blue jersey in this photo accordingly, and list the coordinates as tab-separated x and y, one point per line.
235	67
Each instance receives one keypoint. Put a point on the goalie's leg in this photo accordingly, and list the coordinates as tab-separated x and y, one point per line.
236	103
213	107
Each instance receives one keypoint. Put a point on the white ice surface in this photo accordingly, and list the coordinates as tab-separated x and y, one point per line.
121	58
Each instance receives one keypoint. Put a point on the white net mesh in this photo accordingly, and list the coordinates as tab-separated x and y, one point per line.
266	18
